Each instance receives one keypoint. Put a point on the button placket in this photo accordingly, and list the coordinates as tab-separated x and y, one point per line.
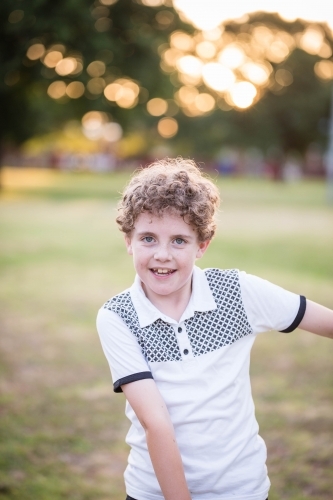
184	343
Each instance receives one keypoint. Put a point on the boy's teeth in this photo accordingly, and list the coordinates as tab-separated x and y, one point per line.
162	271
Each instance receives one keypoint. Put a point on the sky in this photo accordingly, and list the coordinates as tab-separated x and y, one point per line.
208	14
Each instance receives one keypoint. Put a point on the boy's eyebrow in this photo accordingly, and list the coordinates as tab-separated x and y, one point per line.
150	233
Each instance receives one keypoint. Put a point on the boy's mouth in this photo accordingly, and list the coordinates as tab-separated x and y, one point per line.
161	271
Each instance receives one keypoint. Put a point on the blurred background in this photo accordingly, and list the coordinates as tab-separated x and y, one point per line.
98	85
89	91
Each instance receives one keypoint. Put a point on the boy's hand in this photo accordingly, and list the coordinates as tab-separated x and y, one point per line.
317	319
149	406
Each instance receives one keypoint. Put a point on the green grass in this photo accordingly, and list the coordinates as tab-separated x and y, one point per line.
61	256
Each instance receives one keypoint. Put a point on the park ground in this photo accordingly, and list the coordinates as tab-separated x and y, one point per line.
62	257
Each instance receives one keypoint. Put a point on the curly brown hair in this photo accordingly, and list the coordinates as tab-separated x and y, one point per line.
174	184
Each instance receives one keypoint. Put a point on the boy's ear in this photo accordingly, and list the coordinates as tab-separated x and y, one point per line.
203	245
128	244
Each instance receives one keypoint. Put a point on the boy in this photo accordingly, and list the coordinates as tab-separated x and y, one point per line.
178	343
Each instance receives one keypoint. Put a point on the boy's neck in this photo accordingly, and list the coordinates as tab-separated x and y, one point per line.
171	305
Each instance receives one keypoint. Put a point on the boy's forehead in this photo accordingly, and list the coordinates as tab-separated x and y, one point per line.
168	219
164	216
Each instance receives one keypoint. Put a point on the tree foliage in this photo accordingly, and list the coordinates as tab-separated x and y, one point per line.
129	38
127	43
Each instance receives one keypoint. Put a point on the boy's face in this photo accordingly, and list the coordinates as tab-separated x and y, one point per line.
164	251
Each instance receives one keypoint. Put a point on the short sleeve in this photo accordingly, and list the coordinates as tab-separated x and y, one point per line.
122	351
270	307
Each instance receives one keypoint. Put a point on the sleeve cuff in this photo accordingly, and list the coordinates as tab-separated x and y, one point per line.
299	316
130	378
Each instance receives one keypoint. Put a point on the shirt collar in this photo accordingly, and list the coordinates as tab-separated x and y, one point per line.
201	300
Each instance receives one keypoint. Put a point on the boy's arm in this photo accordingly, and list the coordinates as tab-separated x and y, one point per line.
148	405
317	319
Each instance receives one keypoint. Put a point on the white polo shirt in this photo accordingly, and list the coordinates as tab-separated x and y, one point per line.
201	367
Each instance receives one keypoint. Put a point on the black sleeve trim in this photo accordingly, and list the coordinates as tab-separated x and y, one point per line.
299	316
131	378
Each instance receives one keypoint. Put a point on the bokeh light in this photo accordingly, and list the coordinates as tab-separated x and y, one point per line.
97	126
204	102
12	77
153	3
263	35
103	24
277	51
164	18
206	50
217	76
94	119
79	67
96	85
325	50
312	40
16	16
35	51
167	127
232	56
190	65
52	58
157	106
112	132
126	97
324	69
181	41
57	89
186	95
170	58
100	11
242	94
112	91
96	68
74	90
108	2
66	66
212	34
194	103
256	73
284	77
124	92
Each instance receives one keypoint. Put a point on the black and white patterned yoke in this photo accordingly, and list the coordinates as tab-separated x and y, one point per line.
207	331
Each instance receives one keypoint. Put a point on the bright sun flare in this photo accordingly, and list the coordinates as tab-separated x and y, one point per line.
208	14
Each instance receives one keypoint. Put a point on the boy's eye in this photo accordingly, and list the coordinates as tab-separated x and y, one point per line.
179	241
148	239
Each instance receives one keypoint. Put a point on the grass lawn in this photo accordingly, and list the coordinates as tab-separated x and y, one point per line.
61	257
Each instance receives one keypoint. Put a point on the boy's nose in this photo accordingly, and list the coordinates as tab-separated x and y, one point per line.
162	254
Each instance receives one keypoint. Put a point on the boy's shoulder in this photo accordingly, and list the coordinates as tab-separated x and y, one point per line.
121	299
224	278
217	273
120	306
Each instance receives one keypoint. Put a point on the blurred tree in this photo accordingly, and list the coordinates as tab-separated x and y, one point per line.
123	35
60	60
294	110
291	108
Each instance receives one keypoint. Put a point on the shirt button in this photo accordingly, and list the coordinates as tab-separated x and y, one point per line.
180	329
185	351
